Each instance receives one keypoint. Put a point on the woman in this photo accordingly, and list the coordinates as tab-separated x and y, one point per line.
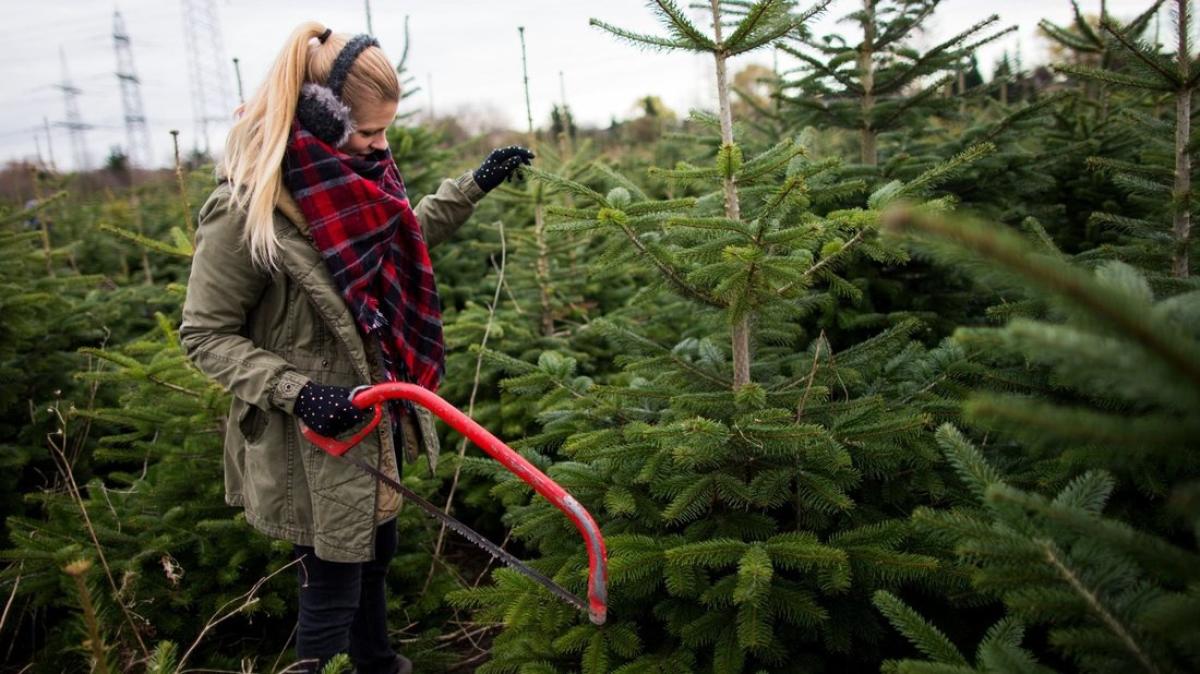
311	275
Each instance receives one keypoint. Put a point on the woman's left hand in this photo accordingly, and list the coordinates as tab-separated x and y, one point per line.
501	164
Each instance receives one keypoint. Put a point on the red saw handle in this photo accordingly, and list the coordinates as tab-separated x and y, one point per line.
365	396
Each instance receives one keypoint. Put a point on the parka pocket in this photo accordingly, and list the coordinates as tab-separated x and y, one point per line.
252	422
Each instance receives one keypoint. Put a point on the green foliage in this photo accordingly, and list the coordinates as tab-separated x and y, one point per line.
1113	370
1110	382
887	85
339	664
982	435
999	651
747	525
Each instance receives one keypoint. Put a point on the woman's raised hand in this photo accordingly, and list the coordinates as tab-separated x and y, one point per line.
500	165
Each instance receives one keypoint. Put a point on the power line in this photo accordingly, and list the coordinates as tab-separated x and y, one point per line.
74	124
136	131
207	66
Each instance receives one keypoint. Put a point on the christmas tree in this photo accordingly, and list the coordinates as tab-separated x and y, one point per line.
744	464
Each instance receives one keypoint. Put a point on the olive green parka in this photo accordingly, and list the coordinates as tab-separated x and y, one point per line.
263	336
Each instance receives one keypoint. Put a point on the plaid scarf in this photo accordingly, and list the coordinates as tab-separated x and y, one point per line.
361	222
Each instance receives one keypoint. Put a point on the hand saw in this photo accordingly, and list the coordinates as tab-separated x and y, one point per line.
365	396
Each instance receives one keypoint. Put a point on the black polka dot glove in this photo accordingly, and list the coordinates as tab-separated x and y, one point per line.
327	409
501	164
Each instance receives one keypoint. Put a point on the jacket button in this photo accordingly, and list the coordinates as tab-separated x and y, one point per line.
324	362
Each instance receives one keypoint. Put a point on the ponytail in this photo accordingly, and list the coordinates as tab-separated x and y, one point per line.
255	145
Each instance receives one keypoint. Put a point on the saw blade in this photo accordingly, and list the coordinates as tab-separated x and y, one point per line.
472	535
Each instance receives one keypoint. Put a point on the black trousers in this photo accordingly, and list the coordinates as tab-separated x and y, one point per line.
343	608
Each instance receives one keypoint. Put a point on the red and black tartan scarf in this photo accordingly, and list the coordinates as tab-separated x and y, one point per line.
369	237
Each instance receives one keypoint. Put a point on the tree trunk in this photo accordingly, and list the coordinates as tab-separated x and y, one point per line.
866	70
741	328
181	181
1182	229
543	269
44	226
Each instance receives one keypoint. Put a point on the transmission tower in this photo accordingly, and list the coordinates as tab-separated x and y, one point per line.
136	132
74	124
207	65
49	144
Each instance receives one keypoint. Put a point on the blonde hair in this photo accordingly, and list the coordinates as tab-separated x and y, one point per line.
255	145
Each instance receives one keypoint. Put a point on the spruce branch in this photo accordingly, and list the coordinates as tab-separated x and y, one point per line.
1073	285
674	19
846	79
32	209
182	247
767	22
1025	112
1111	77
1085	28
95	641
609	328
709	554
567	185
1111	166
896	111
683	172
812	373
1040	234
927	638
162	661
639	39
906	74
793	185
674	276
181	182
1055	558
657	207
1068	39
968	462
714	223
1157	556
1040	423
1145	55
826	262
767	11
771	160
1139	23
923	184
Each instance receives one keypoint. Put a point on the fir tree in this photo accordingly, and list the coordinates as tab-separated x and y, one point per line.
1097	133
745	490
882	83
1090	46
1162	177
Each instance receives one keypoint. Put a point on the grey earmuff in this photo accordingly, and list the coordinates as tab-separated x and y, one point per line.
320	109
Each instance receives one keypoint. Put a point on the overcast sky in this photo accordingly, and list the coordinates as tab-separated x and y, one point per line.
468	49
